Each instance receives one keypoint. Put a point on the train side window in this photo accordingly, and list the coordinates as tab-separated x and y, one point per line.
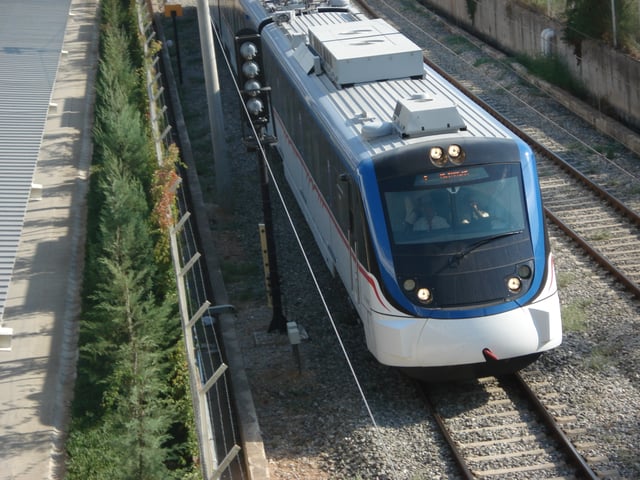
349	212
342	204
360	235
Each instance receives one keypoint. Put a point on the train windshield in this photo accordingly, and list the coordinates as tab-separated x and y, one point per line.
456	204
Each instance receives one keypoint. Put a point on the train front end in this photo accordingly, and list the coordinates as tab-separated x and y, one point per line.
465	265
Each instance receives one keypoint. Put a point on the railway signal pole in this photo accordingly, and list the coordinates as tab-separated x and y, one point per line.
255	95
278	320
174	10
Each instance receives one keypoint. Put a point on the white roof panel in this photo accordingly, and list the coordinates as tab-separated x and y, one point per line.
365	51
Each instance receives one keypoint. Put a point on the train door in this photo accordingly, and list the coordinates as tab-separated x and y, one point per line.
345	217
359	249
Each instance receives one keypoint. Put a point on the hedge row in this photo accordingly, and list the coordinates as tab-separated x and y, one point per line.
131	414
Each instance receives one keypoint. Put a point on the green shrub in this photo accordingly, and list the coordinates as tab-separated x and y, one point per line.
131	415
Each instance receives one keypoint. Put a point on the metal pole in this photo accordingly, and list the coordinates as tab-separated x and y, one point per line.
220	158
613	20
278	321
175	35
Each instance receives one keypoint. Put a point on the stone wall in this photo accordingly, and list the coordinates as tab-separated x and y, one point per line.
612	78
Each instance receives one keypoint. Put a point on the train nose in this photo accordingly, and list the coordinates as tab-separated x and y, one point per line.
488	355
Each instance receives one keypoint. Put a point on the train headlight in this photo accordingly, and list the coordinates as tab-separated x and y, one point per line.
456	154
424	295
437	156
409	284
514	284
524	271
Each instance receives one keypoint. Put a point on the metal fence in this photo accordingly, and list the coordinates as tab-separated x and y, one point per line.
220	455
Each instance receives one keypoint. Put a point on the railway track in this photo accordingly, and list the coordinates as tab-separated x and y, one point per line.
589	185
589	196
504	431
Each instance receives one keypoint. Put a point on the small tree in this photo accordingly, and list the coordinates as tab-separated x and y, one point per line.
594	19
137	392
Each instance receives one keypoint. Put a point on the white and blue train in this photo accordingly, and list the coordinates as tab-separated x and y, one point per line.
427	209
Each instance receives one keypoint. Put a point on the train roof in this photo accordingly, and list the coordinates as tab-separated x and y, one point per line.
372	81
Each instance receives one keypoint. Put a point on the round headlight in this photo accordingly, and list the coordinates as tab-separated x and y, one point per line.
437	156
252	87
409	284
456	154
514	284
255	106
524	271
250	69
248	50
424	295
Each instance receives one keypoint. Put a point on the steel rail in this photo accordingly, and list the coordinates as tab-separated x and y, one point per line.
600	259
509	383
565	443
458	457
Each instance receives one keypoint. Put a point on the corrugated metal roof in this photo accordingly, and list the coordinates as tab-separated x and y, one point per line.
31	37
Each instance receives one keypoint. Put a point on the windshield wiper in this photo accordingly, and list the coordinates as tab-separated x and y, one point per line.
454	259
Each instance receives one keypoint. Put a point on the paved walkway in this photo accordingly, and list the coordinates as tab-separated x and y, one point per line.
43	302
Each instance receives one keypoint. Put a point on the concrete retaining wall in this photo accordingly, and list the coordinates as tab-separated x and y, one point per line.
612	78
